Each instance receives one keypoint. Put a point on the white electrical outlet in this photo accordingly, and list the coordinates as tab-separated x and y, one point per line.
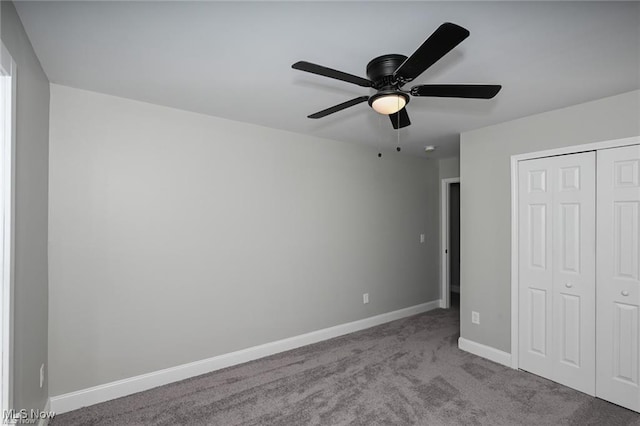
365	298
421	238
475	317
41	375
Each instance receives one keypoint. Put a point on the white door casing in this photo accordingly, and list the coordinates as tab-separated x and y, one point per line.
618	292
557	269
7	202
445	287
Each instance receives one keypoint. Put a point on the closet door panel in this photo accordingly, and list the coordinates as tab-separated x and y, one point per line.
618	293
574	275
557	269
535	275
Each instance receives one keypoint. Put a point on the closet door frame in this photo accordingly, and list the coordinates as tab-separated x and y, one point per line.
515	159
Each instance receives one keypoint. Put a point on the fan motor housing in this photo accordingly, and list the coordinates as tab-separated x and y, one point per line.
380	70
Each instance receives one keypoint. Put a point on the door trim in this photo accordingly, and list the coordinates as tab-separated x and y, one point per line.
8	68
515	159
445	189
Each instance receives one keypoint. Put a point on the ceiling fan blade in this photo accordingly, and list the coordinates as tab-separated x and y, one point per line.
339	107
400	119
478	91
445	38
331	73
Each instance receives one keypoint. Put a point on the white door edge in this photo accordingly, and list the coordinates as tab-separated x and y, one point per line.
8	68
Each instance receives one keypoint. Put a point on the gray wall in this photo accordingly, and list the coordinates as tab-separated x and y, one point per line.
32	163
486	199
175	236
449	167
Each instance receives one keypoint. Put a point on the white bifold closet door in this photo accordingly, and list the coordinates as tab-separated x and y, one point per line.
557	269
618	289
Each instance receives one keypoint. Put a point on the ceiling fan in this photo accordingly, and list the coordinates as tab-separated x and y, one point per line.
388	73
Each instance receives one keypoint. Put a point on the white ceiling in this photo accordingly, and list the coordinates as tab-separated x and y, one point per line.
233	59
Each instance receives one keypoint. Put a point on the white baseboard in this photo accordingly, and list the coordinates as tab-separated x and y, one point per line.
82	398
485	351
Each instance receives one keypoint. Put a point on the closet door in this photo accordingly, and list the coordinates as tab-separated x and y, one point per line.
574	271
535	269
618	293
557	269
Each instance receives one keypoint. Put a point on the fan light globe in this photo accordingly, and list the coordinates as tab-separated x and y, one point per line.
388	104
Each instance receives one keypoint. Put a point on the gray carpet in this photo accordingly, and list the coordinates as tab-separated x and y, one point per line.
402	373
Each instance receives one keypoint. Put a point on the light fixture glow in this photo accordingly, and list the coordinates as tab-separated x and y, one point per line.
388	104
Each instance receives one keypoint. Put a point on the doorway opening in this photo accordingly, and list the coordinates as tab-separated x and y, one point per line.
450	254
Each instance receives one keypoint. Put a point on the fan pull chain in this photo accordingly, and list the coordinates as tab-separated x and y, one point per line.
398	132
380	133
